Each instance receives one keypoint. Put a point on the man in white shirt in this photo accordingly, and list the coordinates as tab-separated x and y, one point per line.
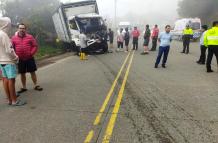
202	58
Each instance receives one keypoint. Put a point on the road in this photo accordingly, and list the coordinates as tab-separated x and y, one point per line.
118	98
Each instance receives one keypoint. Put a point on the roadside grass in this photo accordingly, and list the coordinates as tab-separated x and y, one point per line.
47	51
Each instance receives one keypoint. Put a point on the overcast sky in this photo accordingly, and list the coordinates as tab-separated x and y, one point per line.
106	7
152	10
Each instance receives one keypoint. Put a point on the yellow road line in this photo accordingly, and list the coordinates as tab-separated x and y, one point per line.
89	137
114	114
104	105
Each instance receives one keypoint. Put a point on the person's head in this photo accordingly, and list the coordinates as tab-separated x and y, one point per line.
204	27
21	29
135	28
215	24
167	28
155	26
109	29
187	26
126	29
121	29
147	26
5	24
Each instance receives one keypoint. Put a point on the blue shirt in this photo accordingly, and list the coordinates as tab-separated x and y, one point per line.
165	39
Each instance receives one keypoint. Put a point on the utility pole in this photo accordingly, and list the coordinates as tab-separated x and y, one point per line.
115	14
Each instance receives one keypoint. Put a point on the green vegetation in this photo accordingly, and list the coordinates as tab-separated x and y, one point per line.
47	51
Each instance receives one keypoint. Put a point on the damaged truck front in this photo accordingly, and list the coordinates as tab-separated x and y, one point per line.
73	18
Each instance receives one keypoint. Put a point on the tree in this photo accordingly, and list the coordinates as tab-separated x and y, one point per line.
204	9
37	14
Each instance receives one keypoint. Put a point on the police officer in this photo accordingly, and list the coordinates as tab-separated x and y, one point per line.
187	36
211	41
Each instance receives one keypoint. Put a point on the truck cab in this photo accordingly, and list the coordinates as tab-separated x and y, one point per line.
73	18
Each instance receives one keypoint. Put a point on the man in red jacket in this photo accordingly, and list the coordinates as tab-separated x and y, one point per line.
154	37
25	47
135	35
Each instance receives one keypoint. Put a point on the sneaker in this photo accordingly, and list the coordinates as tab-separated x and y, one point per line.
163	66
19	103
155	66
210	70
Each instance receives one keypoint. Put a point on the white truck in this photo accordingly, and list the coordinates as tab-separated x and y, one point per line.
179	26
73	18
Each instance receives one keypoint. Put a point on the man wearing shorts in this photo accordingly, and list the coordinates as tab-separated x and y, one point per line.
26	47
8	60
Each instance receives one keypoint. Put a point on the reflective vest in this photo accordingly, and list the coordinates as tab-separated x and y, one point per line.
187	31
211	37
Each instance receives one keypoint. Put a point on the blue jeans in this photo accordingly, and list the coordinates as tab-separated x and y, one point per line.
162	50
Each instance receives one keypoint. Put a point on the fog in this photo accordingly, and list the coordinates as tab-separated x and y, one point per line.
138	12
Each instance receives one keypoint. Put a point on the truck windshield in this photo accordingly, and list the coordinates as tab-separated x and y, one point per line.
89	25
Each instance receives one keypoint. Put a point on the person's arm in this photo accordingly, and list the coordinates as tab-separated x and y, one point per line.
34	46
205	40
171	38
192	33
9	48
159	37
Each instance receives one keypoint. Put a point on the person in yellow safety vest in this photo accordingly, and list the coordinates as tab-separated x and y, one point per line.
187	36
211	41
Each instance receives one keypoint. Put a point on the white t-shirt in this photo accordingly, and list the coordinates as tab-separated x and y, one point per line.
83	39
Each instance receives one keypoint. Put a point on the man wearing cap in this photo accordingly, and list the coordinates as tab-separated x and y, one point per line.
211	41
202	58
187	36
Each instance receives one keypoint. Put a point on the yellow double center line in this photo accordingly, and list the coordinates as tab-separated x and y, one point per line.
112	121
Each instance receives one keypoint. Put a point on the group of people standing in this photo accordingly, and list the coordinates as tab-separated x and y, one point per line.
208	40
16	53
124	35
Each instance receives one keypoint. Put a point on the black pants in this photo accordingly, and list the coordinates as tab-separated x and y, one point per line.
212	50
135	43
203	54
154	44
120	45
186	42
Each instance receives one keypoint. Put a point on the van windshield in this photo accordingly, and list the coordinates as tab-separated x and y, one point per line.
195	25
89	25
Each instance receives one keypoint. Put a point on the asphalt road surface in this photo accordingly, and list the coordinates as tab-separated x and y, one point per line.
117	97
